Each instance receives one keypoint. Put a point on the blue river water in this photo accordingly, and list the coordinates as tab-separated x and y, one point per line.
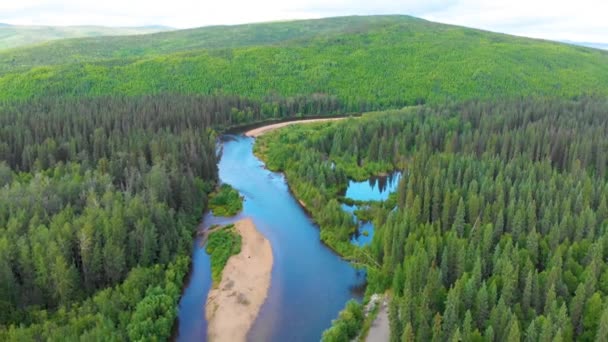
310	284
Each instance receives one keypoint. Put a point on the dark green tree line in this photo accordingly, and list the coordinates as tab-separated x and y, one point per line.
499	231
92	189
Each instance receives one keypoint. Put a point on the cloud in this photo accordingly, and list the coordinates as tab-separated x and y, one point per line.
558	20
583	20
339	7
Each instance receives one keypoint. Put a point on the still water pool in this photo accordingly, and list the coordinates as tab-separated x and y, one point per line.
376	188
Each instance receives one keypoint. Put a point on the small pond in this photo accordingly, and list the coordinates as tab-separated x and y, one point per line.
376	188
365	230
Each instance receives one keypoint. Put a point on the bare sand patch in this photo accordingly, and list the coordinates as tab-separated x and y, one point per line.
233	306
256	132
380	329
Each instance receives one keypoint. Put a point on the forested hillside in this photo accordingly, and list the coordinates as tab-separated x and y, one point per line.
365	63
211	37
501	220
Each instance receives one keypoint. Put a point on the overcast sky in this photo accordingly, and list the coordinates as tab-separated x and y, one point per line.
580	20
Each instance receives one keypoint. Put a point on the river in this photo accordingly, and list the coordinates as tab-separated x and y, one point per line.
310	283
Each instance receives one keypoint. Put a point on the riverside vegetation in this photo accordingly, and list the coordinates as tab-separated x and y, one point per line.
108	154
221	245
499	229
226	201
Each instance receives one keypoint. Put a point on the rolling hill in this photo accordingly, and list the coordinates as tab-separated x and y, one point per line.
13	36
378	61
211	37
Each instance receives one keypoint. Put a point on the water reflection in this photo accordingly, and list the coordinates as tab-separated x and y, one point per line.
377	188
310	283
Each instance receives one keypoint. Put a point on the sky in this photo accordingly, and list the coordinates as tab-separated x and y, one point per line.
580	20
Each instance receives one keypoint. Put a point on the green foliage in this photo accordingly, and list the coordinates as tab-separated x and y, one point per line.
108	151
217	38
221	245
403	60
225	201
93	188
364	214
80	234
348	324
368	321
92	195
500	225
297	150
108	315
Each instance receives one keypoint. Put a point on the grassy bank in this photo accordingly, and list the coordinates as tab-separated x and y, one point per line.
320	185
221	245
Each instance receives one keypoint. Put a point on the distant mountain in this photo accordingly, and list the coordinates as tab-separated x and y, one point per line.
159	27
601	46
12	36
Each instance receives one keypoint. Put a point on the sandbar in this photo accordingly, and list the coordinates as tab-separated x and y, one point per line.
256	132
234	304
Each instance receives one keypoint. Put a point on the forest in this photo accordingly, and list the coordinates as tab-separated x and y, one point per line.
365	63
108	158
99	202
499	228
225	201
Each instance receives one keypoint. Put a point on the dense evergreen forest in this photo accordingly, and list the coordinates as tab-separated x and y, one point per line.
108	155
99	201
367	63
500	224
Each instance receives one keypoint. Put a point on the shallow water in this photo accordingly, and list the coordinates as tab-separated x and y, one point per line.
365	230
376	188
310	284
364	235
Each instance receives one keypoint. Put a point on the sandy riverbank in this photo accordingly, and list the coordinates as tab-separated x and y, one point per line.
256	132
233	306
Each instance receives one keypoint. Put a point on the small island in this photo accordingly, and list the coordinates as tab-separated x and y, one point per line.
223	242
225	201
233	304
